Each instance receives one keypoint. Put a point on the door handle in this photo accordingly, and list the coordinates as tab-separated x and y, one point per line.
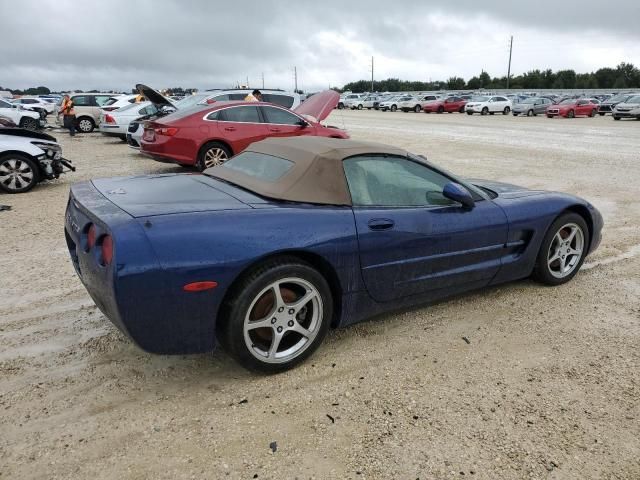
381	224
230	129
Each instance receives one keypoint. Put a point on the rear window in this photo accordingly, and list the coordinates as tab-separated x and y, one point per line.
111	101
282	100
259	165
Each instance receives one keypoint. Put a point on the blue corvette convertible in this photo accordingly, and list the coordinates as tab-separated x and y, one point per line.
296	235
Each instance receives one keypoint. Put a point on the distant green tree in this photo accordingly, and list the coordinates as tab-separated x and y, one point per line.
455	83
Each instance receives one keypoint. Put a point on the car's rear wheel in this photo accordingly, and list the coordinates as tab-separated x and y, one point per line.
212	155
469	113
29	123
18	173
530	113
86	124
506	110
563	250
440	109
549	116
417	108
593	113
484	111
571	114
277	316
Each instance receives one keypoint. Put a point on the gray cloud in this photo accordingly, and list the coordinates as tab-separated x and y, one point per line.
115	44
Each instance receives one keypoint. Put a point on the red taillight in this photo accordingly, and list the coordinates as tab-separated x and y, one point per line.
199	286
91	237
167	131
109	119
107	250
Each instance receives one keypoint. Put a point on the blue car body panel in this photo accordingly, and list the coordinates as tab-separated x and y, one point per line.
168	232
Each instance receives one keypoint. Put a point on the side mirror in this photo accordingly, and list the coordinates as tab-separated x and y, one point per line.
457	193
303	124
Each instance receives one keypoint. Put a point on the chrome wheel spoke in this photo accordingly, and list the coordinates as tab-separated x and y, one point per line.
300	330
264	323
306	298
566	250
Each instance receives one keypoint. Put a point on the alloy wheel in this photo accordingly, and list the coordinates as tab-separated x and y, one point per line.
85	125
566	250
16	174
214	157
283	320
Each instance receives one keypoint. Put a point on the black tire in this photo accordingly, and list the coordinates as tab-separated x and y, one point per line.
530	113
85	124
440	109
571	114
601	114
14	163
492	113
593	113
340	106
484	111
616	118
542	272
359	107
394	108
29	123
515	114
122	137
230	327
212	154
417	109
469	113
549	116
461	110
506	110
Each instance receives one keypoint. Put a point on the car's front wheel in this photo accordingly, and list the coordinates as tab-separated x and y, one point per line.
484	111
277	316
394	108
530	113
86	125
29	123
563	250
18	173
212	155
571	114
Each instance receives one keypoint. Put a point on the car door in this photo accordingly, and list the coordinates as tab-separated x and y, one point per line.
241	126
541	105
414	241
282	123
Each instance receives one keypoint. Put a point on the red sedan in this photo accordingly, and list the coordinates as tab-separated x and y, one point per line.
451	104
573	107
207	135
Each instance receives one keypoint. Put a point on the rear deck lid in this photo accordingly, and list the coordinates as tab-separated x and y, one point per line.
150	195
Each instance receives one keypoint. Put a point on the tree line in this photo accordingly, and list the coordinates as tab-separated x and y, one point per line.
625	75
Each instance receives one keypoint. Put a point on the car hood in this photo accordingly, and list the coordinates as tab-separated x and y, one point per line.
153	96
23	132
628	105
505	190
320	105
150	195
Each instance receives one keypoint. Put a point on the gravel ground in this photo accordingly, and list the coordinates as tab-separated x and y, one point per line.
548	385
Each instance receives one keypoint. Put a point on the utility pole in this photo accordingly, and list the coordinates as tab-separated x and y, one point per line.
247	81
509	67
263	80
295	79
372	74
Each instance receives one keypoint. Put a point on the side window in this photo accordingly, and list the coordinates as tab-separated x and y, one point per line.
81	101
245	114
101	99
282	100
393	182
148	110
214	115
279	116
4	104
237	96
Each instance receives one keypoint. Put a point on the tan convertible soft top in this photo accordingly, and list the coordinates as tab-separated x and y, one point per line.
317	175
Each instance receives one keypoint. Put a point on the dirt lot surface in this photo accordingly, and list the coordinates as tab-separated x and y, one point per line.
548	387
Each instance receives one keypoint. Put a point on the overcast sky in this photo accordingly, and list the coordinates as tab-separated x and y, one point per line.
115	44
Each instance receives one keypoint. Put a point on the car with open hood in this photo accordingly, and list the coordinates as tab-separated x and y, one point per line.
27	158
268	251
207	135
630	108
573	107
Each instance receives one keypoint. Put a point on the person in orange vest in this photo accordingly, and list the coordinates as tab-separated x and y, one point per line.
68	115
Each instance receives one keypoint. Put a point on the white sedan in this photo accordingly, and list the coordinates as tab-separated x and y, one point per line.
488	104
116	123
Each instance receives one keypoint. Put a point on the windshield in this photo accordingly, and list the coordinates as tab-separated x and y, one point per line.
528	100
618	98
568	101
479	99
634	99
190	100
